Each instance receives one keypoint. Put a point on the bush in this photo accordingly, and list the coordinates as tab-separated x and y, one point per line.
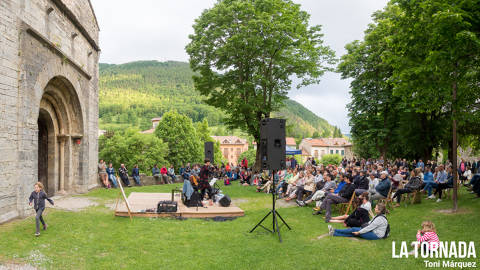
331	159
133	148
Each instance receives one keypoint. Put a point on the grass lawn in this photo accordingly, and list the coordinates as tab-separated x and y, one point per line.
95	239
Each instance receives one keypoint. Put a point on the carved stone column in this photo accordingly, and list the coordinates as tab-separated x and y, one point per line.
61	175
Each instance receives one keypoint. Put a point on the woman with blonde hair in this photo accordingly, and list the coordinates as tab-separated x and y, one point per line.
38	197
428	235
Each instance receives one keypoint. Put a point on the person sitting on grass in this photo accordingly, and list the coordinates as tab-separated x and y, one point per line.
427	235
358	217
413	184
38	197
375	229
343	197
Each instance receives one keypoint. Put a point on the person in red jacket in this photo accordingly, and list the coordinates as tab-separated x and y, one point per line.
163	172
244	163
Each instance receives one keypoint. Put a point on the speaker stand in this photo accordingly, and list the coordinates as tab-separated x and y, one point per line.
274	213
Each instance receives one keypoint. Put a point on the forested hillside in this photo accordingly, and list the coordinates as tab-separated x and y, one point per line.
132	94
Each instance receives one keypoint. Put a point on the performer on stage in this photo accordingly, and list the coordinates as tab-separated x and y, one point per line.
204	185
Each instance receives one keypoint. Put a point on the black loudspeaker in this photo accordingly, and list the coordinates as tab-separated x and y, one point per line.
209	151
225	201
272	144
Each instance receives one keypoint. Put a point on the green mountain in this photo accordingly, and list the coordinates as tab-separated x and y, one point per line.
132	94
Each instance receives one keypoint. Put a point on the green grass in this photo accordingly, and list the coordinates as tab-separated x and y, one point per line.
95	239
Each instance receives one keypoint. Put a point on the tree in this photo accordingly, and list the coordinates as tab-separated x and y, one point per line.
132	147
316	134
436	60
184	144
245	53
204	134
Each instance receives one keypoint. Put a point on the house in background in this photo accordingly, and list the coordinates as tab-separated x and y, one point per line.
155	122
317	148
289	141
232	147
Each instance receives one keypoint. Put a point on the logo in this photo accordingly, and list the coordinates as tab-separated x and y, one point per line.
442	250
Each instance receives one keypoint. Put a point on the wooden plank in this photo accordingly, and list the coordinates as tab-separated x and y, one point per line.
140	201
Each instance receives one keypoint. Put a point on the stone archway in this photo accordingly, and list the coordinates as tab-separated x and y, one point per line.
60	127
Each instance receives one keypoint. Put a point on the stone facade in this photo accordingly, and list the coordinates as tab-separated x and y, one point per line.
232	147
48	100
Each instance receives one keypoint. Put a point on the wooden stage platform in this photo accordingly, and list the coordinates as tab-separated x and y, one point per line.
140	201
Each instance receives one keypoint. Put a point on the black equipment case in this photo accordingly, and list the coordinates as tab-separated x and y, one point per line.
166	207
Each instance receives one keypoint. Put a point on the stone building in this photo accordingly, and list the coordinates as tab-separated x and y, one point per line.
232	147
317	148
48	100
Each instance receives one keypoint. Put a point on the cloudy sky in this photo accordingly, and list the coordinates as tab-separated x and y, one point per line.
159	29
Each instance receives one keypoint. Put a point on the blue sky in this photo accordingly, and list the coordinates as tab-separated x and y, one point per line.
159	29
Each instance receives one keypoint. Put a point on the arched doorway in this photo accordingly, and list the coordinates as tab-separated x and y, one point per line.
59	125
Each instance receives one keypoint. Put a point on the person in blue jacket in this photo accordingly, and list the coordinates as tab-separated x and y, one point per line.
383	187
111	175
136	174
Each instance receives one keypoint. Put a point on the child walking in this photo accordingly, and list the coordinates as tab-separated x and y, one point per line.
429	235
38	197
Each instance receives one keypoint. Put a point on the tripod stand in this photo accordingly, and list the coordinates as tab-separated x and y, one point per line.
274	213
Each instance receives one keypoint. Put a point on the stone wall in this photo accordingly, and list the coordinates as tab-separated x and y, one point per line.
41	40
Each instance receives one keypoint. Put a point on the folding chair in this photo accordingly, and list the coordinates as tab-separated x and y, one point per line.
348	205
388	200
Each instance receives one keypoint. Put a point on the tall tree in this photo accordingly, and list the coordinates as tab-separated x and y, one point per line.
436	59
204	134
245	53
178	132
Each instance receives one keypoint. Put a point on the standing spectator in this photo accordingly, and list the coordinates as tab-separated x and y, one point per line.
156	173
102	172
123	173
294	163
203	184
111	175
244	163
136	174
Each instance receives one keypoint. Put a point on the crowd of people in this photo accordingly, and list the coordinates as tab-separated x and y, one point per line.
361	184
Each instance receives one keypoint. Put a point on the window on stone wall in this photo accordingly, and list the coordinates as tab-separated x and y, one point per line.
316	154
331	151
343	152
336	151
